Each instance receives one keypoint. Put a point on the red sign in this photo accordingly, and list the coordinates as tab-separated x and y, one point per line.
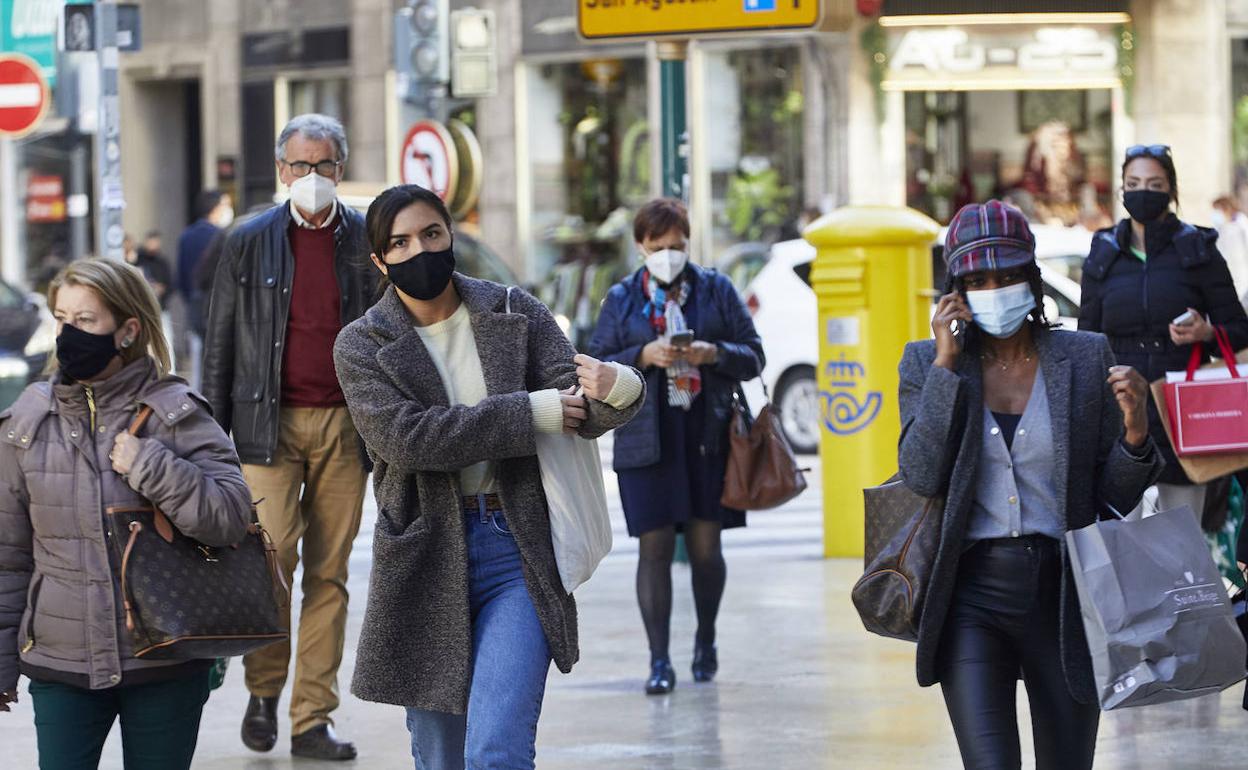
429	159
24	95
45	199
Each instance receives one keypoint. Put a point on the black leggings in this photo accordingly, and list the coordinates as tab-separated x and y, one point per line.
1003	623
654	581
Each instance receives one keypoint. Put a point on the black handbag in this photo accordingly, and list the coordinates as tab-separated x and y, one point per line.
902	537
187	600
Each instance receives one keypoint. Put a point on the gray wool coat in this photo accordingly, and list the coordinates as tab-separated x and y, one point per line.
940	407
416	646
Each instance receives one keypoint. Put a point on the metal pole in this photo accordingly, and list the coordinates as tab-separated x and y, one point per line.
79	226
674	138
11	264
110	198
674	131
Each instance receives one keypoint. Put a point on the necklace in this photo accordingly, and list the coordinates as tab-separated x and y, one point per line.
1005	365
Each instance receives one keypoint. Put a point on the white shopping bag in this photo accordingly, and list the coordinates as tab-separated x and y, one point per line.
580	528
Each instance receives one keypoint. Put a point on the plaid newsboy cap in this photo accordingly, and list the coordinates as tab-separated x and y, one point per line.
988	236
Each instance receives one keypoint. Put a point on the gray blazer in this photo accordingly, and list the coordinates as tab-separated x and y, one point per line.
416	646
940	407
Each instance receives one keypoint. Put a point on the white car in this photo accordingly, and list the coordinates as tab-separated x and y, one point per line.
786	316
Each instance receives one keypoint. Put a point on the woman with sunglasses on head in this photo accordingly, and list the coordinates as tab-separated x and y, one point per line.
1145	274
1022	429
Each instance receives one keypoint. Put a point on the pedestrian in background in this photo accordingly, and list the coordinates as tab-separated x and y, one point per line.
1142	276
1026	431
1232	227
686	328
66	460
214	211
287	282
450	380
148	258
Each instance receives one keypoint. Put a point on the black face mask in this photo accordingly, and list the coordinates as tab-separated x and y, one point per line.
425	275
1146	205
83	355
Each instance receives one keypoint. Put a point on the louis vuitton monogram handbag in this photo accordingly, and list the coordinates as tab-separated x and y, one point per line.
187	600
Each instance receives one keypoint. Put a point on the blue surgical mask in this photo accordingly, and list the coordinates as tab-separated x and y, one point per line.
1001	312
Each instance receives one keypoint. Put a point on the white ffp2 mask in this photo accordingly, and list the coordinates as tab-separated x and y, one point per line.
666	264
313	193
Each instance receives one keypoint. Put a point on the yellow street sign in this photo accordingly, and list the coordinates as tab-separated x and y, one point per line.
651	18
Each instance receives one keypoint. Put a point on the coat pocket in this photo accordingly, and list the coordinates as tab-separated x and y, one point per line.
32	602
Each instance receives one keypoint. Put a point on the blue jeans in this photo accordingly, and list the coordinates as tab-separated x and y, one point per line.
510	659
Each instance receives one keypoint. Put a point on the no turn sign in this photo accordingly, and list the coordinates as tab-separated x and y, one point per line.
429	159
24	95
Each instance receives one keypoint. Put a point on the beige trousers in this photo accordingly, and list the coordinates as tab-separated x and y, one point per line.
314	492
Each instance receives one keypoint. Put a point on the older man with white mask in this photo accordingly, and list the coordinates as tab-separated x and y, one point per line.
289	279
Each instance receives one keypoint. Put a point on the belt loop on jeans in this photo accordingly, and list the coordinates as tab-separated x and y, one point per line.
481	504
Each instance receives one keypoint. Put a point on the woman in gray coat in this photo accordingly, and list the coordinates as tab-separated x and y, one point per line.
1028	432
66	460
449	390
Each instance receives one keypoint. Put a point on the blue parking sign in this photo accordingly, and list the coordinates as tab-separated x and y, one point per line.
760	5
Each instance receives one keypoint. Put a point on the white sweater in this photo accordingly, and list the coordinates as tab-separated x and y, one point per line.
453	349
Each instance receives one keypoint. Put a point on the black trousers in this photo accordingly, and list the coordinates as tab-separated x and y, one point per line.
1003	623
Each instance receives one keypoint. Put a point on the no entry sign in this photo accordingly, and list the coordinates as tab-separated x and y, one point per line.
23	95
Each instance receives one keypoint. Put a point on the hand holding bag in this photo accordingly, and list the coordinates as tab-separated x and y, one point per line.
762	470
187	600
902	538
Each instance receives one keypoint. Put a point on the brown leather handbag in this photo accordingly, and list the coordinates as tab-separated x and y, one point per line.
762	470
187	600
902	537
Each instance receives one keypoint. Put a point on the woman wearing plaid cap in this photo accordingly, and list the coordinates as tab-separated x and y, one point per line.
1145	273
1022	428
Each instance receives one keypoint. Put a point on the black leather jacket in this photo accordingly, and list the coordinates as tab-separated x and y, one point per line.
247	316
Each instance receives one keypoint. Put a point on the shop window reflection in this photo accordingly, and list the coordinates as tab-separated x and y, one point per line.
590	158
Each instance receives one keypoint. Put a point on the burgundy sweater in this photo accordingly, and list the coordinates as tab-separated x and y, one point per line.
308	377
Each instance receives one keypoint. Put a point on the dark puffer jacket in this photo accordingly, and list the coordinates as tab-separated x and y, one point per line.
247	316
1133	302
623	330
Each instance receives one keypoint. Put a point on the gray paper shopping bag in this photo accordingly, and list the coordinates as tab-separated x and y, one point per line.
1157	618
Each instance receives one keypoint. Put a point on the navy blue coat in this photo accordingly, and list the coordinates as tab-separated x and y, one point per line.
1133	302
623	330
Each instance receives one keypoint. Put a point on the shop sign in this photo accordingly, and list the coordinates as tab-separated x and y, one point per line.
45	199
606	19
1044	57
29	27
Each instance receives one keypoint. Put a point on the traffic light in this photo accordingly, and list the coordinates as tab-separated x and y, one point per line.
422	41
473	69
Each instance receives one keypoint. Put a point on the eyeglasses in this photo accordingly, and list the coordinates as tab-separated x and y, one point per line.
1155	151
324	168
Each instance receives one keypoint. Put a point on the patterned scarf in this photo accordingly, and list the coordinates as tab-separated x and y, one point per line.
663	309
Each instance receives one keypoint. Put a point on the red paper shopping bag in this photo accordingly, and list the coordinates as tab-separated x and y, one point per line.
1209	417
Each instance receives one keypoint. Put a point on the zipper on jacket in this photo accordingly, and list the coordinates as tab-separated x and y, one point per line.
30	624
90	408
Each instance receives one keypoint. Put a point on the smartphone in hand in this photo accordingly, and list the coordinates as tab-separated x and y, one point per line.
682	339
1185	319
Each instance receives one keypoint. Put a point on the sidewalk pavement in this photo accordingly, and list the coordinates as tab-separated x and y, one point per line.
801	685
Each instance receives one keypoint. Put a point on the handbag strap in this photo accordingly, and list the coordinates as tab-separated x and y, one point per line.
1223	341
507	301
139	420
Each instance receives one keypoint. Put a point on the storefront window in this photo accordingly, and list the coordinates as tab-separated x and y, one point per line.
589	151
1045	151
754	144
54	168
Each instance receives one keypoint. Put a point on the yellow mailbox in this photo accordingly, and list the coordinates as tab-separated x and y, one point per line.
873	278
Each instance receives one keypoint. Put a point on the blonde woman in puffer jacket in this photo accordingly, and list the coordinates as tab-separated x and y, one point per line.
65	459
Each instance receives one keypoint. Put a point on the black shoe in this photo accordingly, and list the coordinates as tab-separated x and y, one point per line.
260	724
321	743
705	662
662	677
